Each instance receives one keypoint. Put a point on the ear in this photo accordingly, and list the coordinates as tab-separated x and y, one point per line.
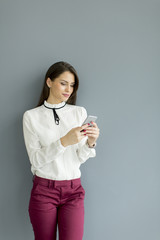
48	82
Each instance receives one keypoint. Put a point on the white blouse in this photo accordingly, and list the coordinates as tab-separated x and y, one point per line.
48	157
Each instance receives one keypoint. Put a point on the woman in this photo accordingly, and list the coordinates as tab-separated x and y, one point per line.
57	144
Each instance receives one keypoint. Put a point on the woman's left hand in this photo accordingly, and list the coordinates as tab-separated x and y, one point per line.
92	133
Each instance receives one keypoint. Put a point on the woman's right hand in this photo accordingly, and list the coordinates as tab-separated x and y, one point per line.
75	135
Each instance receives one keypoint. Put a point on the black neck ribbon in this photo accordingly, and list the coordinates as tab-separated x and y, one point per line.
56	117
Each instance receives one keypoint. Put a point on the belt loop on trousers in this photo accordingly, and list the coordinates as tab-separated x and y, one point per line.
50	184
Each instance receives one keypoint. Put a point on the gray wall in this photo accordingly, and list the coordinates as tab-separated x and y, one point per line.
114	45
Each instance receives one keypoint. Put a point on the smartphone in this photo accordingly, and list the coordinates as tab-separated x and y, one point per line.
89	119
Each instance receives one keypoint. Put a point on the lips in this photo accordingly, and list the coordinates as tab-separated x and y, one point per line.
66	95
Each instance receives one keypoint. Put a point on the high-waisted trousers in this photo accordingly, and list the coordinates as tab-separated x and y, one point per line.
57	202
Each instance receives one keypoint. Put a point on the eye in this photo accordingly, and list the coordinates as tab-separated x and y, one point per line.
65	84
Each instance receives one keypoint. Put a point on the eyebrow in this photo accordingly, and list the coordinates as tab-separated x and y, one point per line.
66	81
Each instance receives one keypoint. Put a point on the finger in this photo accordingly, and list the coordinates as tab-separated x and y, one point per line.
90	129
91	135
91	132
83	135
94	124
83	127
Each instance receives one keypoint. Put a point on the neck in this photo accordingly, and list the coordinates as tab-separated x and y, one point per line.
53	101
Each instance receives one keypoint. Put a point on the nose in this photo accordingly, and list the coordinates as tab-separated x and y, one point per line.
68	88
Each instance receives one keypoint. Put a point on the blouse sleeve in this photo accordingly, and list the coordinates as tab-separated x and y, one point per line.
38	155
83	151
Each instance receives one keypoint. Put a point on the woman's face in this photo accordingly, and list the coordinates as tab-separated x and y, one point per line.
61	88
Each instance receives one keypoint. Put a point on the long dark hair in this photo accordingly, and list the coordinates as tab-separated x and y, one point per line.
53	72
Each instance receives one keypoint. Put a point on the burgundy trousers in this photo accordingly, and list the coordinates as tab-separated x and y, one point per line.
55	202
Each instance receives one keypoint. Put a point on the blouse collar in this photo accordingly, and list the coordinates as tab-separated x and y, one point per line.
55	105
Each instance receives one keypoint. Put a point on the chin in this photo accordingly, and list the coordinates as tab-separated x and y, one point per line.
62	99
65	98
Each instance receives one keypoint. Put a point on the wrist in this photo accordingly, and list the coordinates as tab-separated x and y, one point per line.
64	141
91	145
